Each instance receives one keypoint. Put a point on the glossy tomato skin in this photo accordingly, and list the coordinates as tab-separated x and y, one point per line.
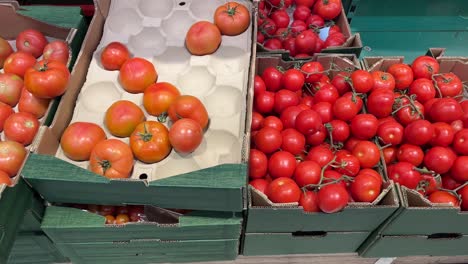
259	85
463	192
283	190
293	80
403	75
390	133
390	155
5	51
449	84
158	97
439	159
364	126
327	93
339	130
111	158
31	41
185	135
459	170
288	116
47	79
448	182
407	114
272	78
404	174
380	102
320	154
268	140
273	122
460	142
444	197
79	139
122	117
281	18
443	134
305	42
307	172
31	104
419	132
365	188
12	155
328	9
258	164
21	127
362	80
188	106
410	153
425	67
307	3
5	112
445	110
308	122
302	12
332	198
57	50
367	153
203	38
293	141
281	164
340	82
264	102
11	85
136	74
114	55
18	62
318	137
313	71
309	201
150	142
345	109
383	80
285	98
423	89
259	184
325	110
5	179
232	18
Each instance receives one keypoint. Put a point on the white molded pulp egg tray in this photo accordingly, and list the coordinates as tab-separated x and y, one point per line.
155	30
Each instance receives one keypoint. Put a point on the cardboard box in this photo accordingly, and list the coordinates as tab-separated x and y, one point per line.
218	184
35	247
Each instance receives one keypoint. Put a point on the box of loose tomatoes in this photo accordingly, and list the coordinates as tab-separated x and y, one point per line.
299	31
141	71
315	174
22	111
142	234
427	137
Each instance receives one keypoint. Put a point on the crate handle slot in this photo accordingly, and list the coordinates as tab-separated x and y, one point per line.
445	236
309	234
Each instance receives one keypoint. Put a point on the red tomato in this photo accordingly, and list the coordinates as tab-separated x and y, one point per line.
290	45
150	142
273	44
297	26
12	155
372	173
272	78
445	110
348	164
390	154
259	85
309	201
457	125
463	192
408	114
339	130
383	80
308	3
390	133
460	142
308	122
419	132
365	188
202	38
32	104
317	138
232	18
111	158
18	62
305	42
79	139
444	197
423	89
439	159
31	41
362	81
283	190
449	84
47	79
425	67
136	213
264	102
5	179
367	153
281	18
410	153
364	126
459	170
332	198
122	117
326	93
351	143
328	9
136	74
340	81
268	140
301	12
313	71
293	141
443	134
429	184
5	112
259	184
11	86
187	106
57	50
257	164
307	172
281	164
185	135
293	80
285	98
315	21
273	122
21	127
403	75
345	108
114	55
158	97
320	154
288	116
5	51
404	174
325	110
268	26
448	182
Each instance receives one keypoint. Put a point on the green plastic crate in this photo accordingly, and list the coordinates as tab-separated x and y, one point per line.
34	247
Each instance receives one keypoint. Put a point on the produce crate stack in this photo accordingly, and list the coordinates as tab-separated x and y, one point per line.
433	223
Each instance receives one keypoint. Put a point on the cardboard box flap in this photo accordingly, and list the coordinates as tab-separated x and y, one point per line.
380	63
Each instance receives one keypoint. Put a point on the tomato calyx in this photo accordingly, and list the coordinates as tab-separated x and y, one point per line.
145	136
163	117
231	11
105	164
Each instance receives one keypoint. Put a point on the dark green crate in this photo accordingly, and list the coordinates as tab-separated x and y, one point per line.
34	247
257	244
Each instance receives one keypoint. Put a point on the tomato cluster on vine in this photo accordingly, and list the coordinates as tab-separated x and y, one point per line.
293	25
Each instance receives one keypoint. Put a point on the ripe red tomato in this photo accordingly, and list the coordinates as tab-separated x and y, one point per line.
339	130
445	110
283	190
407	114
317	138
349	164
325	110
293	80
439	159
267	27
273	44
305	42
18	62
31	41
298	26
457	125
5	112
328	9
308	3
419	132
315	21
79	139
257	164
281	164
448	182
326	93
380	102
308	122
11	86
307	172
264	102
202	38
410	153
340	82
443	134
150	142
332	198
367	153
365	188
12	155
449	84
268	140
390	133
444	197
185	135
57	50
288	116
259	85
5	51
122	117
232	18
423	89
364	126
111	158
285	98
293	141
302	12
463	192
187	106
136	74
425	67
309	201
158	97
5	179
390	155
21	127
460	142
459	170
272	78
383	80
372	173
403	75
313	71
281	18
259	184
47	79
32	104
429	184
345	108
114	55
290	45
273	122
362	81
320	154
404	174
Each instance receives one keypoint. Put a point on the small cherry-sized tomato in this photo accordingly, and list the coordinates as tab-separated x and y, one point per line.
281	164
309	201
325	110
340	81
403	75
439	159
122	117
332	198
405	174
288	116
150	142
365	188
460	142
301	12
112	159
256	123
362	81
328	9
410	153
459	170
430	184
383	80
407	114
307	172
419	132
185	135
283	190
364	126
268	140
258	164
326	93
308	122
448	182
367	153
318	137
114	55
136	74
425	67
390	133
293	141
444	197
259	184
